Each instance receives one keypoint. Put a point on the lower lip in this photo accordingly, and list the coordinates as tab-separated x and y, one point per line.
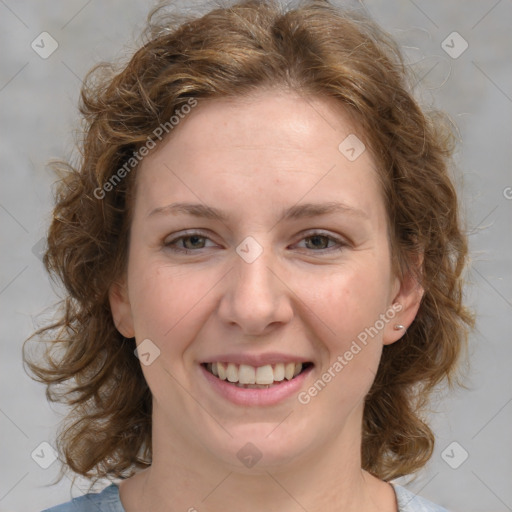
251	396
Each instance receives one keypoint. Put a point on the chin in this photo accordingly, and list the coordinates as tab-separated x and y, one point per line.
260	447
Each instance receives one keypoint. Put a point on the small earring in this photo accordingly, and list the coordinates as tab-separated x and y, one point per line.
399	327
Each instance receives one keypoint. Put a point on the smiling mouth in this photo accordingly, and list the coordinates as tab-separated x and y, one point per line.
261	377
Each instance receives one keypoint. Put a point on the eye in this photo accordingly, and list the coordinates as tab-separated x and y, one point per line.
187	243
194	241
319	241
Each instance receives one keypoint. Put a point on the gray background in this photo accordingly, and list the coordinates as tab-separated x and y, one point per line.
38	99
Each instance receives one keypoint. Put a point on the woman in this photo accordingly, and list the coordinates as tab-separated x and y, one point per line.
263	257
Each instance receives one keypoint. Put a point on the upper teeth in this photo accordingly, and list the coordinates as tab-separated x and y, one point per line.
245	374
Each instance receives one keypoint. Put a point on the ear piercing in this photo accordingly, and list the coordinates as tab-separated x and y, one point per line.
399	327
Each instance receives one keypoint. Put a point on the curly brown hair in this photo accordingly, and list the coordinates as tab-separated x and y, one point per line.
315	49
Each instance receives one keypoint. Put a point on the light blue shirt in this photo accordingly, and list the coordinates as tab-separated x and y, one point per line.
108	501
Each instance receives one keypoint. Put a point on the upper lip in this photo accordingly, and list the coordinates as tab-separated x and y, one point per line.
256	359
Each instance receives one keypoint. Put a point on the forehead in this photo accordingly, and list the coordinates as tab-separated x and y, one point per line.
273	146
272	119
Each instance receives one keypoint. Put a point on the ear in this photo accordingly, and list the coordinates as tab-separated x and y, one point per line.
121	308
407	295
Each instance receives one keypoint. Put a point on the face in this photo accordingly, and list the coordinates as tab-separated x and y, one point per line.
278	254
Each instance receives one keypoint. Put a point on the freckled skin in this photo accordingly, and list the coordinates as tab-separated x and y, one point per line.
252	158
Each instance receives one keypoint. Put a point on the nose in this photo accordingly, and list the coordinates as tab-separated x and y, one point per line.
255	297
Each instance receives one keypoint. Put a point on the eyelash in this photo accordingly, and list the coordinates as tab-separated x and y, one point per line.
169	244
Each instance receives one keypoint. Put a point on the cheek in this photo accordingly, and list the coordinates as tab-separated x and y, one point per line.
170	302
166	305
352	300
161	296
350	304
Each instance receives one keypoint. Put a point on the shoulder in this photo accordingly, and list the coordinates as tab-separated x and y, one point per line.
106	501
409	502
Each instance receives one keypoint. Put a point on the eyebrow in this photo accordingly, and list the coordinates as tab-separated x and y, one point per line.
299	211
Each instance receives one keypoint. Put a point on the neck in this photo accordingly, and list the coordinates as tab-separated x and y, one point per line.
328	477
